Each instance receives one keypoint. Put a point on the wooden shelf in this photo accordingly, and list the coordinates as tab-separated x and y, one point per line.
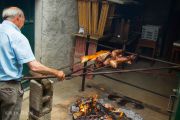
94	37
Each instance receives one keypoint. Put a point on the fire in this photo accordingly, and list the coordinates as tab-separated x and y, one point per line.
85	107
92	108
121	114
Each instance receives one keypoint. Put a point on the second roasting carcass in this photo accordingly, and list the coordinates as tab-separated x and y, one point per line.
112	58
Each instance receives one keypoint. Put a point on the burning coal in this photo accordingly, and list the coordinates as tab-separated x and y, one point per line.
91	108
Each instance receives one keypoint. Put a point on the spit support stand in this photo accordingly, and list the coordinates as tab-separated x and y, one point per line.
85	64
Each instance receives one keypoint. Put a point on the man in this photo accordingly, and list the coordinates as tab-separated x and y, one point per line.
14	52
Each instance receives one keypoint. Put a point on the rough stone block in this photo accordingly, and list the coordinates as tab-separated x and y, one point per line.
41	93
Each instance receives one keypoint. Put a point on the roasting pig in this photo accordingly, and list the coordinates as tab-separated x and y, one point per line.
101	54
105	58
121	59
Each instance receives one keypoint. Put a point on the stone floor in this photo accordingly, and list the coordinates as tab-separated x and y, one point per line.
66	92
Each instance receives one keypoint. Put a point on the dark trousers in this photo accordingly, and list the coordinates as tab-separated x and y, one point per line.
10	100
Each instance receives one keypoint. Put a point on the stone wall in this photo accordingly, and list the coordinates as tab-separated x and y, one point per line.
55	21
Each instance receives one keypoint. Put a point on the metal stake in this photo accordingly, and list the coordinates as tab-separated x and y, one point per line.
85	64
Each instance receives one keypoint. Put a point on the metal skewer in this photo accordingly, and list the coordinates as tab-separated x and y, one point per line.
126	71
141	56
53	76
72	75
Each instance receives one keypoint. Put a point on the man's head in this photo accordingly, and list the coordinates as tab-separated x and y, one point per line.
15	15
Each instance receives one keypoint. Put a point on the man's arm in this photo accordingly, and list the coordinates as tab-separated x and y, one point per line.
24	54
36	66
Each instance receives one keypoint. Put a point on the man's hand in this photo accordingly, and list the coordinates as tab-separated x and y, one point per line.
60	75
36	66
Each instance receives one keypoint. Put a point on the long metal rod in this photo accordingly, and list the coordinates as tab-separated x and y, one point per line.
86	67
152	59
141	56
52	76
134	70
105	72
117	80
85	64
152	107
126	71
38	77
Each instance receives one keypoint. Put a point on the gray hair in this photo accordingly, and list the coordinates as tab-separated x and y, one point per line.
11	12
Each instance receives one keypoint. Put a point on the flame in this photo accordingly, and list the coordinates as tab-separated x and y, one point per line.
121	114
95	97
93	56
84	108
90	105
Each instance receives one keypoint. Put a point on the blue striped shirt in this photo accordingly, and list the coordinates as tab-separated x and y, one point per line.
15	50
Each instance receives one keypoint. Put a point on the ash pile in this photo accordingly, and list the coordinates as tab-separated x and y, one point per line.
91	108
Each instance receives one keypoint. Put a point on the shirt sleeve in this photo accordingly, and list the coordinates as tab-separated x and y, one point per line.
22	48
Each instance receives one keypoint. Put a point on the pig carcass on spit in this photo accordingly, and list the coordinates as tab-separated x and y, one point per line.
104	58
121	59
101	54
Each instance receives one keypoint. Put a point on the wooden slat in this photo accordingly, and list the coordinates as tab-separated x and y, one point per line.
84	15
100	20
110	14
80	13
95	10
103	18
122	28
89	17
126	30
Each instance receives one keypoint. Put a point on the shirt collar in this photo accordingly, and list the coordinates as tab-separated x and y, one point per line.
7	22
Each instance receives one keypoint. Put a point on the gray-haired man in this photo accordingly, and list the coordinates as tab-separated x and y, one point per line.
14	52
